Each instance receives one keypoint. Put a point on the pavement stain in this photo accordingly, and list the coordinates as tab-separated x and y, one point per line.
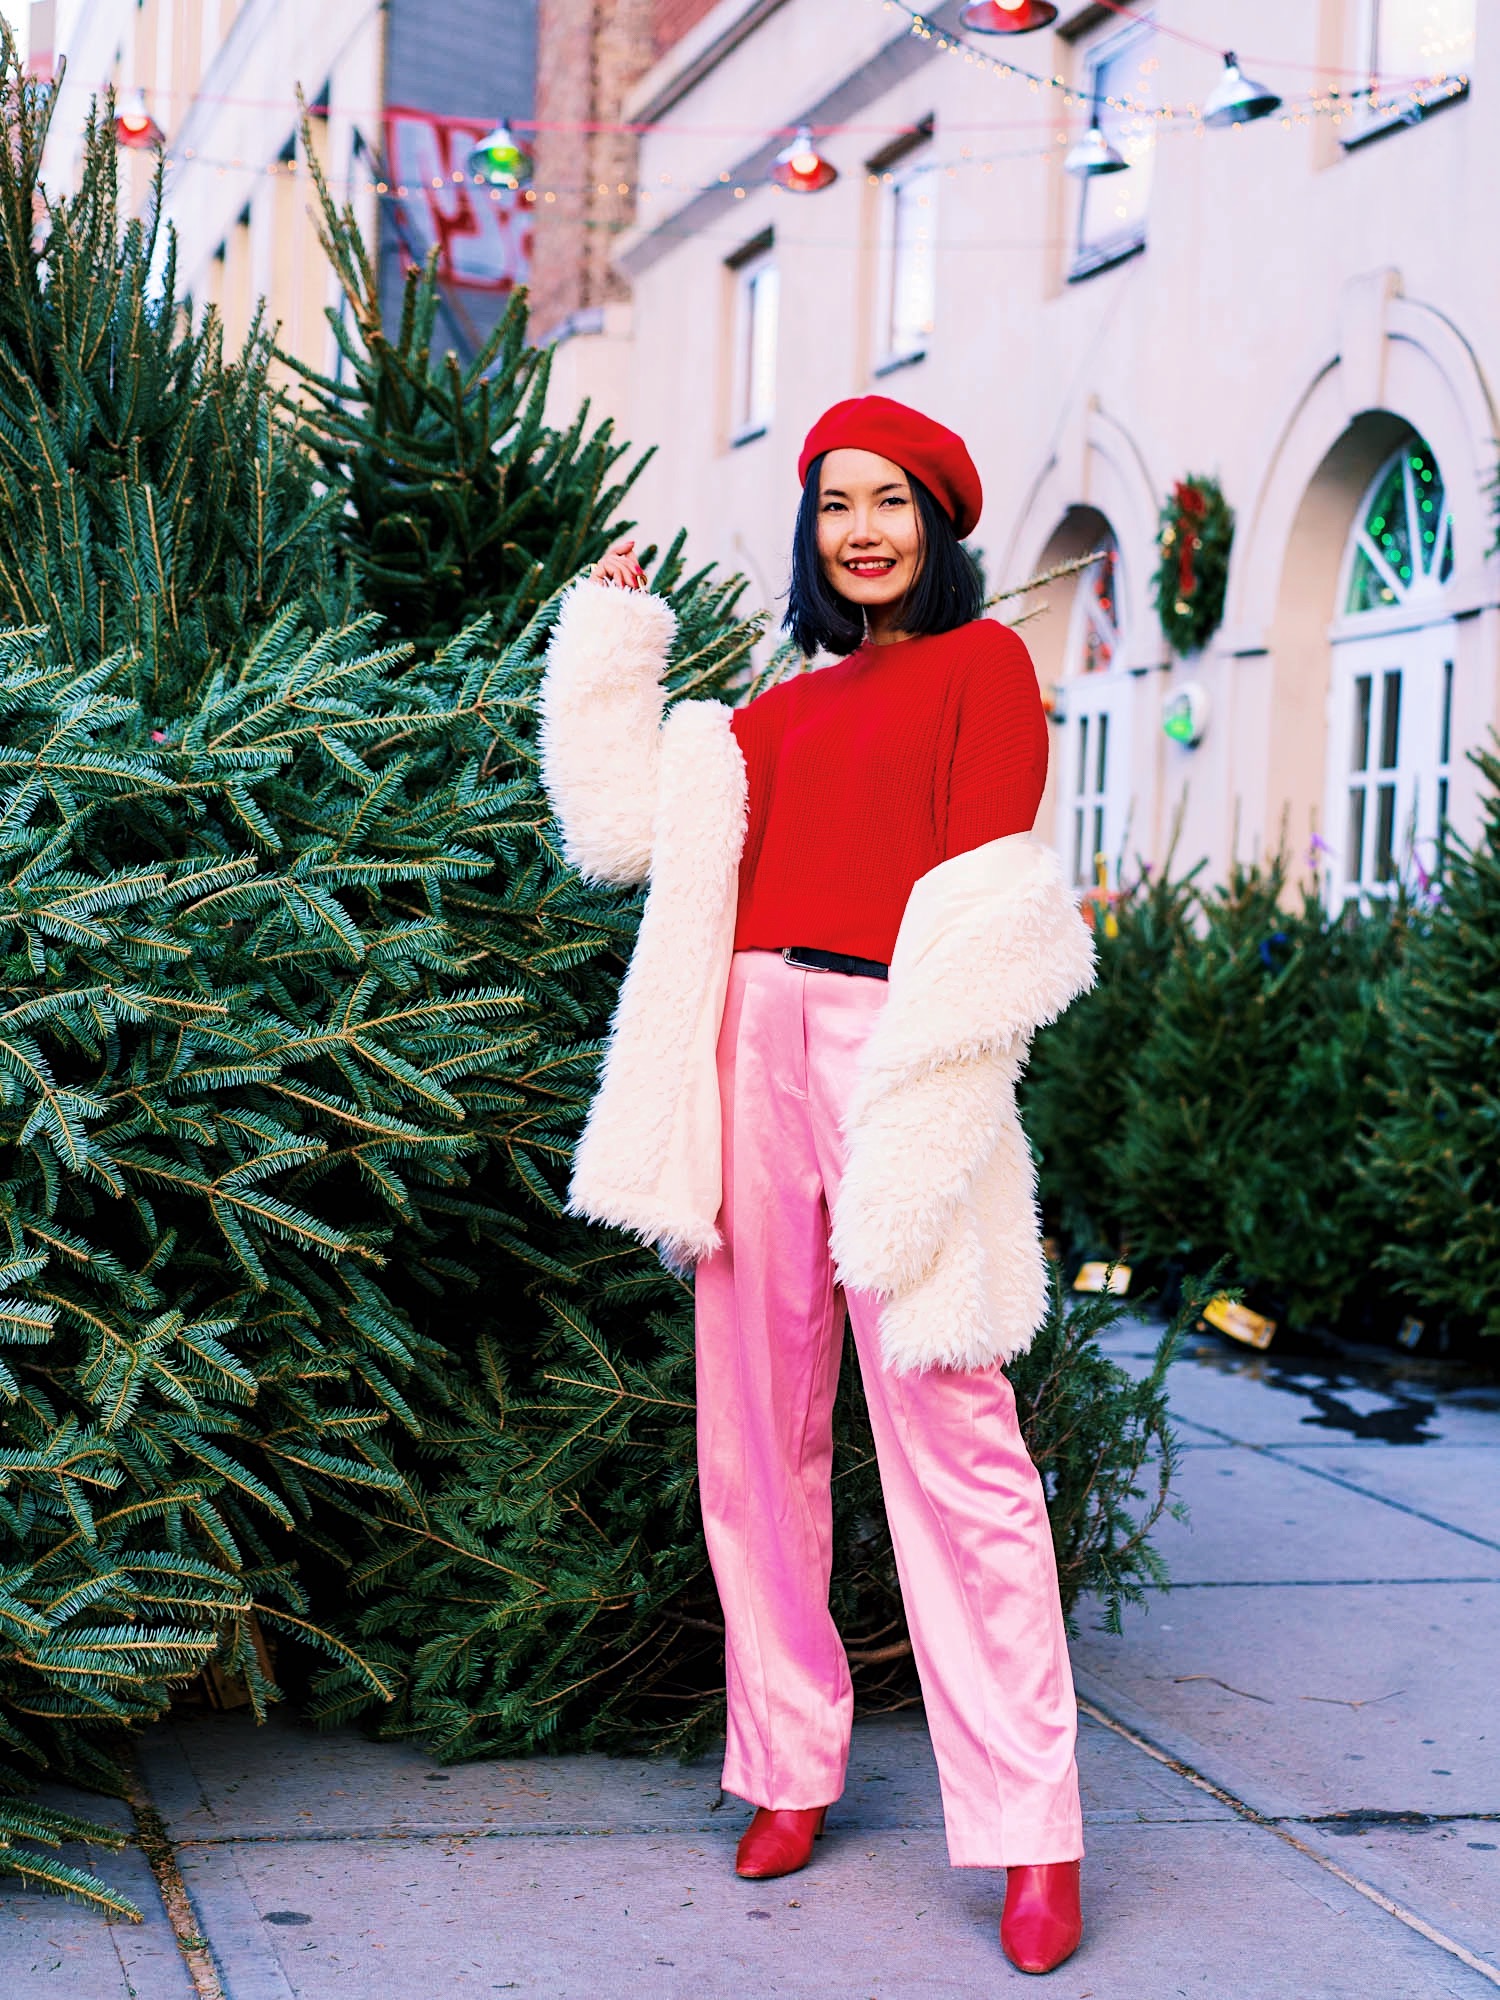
1369	1399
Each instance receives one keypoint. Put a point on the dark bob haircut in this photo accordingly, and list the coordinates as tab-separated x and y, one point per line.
947	590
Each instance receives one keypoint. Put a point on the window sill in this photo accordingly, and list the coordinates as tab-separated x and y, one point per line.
895	362
748	435
1377	125
1087	262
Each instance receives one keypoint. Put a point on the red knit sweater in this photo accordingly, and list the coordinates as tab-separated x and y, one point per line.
866	774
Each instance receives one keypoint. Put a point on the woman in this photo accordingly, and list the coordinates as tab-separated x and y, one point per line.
809	1093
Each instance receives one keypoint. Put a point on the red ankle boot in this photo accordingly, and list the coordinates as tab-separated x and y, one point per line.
778	1841
1043	1921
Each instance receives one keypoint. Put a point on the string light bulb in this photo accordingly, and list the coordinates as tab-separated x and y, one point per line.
1007	17
1094	155
134	125
499	161
800	168
1236	100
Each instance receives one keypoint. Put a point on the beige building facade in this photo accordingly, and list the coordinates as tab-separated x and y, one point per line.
397	95
1306	308
219	78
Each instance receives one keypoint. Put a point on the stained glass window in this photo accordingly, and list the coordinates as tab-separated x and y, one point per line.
1404	546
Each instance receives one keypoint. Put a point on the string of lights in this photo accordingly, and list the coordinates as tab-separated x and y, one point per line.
1372	83
670	188
498	167
1383	91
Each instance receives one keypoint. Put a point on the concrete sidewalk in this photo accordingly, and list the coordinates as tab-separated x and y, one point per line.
1289	1769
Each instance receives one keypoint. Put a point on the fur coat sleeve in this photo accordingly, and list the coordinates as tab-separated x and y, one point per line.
601	708
937	1212
638	796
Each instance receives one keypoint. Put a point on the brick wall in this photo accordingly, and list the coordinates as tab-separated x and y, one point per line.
671	20
590	55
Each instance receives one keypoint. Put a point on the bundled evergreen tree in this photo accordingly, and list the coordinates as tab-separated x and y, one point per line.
1433	1168
1265	1052
288	959
1077	1083
149	513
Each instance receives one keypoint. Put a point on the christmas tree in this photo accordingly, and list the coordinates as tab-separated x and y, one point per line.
1074	1093
301	1012
1434	1161
1264	1052
150	515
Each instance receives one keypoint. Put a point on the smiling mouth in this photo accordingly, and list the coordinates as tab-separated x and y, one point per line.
871	565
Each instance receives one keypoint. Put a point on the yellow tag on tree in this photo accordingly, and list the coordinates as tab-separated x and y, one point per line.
1239	1322
1103	1278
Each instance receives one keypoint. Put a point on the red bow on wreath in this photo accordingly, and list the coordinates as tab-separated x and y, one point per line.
1192	504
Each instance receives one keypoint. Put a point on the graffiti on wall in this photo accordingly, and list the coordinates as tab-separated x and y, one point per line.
482	235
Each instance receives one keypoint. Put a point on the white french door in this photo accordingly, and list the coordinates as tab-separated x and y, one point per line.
1095	775
1094	792
1391	749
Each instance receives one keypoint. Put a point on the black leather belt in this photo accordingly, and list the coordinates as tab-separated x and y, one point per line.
834	961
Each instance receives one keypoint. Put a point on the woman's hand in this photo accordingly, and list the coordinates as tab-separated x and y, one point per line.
619	566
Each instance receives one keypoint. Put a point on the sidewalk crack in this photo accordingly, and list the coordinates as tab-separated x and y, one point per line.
156	1844
1280	1829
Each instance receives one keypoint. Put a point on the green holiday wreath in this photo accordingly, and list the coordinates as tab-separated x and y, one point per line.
1193	541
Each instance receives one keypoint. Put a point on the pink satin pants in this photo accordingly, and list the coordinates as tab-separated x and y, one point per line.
967	1513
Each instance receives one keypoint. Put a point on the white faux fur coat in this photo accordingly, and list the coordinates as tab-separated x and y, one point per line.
937	1213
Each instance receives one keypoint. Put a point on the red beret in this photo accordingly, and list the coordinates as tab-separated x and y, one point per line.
939	457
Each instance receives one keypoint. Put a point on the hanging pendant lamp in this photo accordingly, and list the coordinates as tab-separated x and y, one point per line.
134	125
1236	100
499	161
1093	154
1007	17
800	168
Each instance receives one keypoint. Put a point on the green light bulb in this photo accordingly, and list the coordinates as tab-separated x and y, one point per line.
498	161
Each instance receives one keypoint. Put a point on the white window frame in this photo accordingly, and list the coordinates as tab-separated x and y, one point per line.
1390	720
1095	799
908	205
1391	743
755	315
1108	248
1373	118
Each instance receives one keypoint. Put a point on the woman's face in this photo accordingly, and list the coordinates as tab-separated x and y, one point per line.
869	533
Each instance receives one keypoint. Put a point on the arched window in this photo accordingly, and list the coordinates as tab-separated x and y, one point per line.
1391	735
1403	544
